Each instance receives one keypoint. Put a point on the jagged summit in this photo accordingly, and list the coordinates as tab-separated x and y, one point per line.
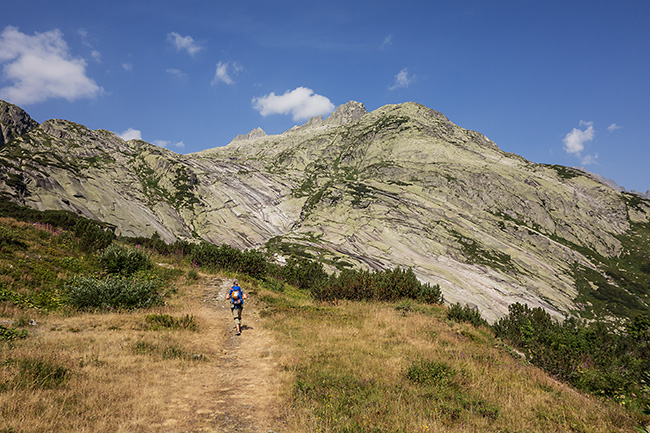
346	113
255	133
14	122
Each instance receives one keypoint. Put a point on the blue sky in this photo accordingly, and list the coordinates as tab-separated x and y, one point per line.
561	82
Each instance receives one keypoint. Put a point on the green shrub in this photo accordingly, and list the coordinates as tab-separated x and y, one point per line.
113	292
388	285
430	294
124	261
92	236
430	373
11	333
250	262
460	313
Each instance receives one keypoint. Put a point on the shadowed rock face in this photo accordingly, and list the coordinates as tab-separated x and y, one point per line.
14	122
400	186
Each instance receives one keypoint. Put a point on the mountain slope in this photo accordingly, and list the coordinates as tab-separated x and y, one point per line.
401	186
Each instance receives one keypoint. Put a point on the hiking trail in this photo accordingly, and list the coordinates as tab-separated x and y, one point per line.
239	390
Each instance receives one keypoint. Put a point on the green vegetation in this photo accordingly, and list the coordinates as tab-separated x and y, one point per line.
11	333
476	253
591	356
465	313
565	172
91	293
125	261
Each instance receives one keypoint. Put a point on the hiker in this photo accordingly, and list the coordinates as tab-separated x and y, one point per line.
236	297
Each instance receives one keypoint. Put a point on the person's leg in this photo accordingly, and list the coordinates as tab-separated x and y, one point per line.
236	315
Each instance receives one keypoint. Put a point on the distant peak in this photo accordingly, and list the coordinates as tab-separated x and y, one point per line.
255	133
346	113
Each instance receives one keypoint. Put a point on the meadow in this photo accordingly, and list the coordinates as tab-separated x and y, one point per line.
82	350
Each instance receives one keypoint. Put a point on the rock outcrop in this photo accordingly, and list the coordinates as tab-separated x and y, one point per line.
14	122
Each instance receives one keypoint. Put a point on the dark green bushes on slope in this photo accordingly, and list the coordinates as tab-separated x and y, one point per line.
591	356
388	285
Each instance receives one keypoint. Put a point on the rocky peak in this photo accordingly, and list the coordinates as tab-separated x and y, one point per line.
255	133
14	122
346	113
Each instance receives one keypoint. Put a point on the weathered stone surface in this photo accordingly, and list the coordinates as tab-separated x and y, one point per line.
14	122
400	186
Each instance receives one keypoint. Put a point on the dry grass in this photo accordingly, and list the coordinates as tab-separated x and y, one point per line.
351	365
118	375
303	367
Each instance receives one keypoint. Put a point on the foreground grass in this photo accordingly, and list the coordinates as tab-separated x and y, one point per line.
376	367
98	372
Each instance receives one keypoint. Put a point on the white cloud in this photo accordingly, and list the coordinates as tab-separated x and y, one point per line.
41	68
613	127
301	102
185	43
166	144
224	72
127	66
131	134
402	80
574	141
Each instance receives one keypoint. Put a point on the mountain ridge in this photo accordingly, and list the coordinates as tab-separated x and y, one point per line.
401	186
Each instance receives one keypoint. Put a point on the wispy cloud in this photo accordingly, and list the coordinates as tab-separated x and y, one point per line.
127	66
177	73
613	127
225	71
167	144
402	80
184	43
85	40
388	41
131	134
41	68
302	103
574	142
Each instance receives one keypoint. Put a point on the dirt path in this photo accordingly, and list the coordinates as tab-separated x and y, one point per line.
240	390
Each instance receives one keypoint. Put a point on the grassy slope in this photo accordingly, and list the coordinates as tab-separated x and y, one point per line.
343	367
367	367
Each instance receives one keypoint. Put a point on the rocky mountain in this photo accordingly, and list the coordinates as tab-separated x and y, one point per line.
400	186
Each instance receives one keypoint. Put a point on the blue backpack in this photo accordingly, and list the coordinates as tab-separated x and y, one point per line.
236	296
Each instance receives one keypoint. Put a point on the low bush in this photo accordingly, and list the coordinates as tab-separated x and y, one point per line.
8	334
430	373
465	313
87	293
125	261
